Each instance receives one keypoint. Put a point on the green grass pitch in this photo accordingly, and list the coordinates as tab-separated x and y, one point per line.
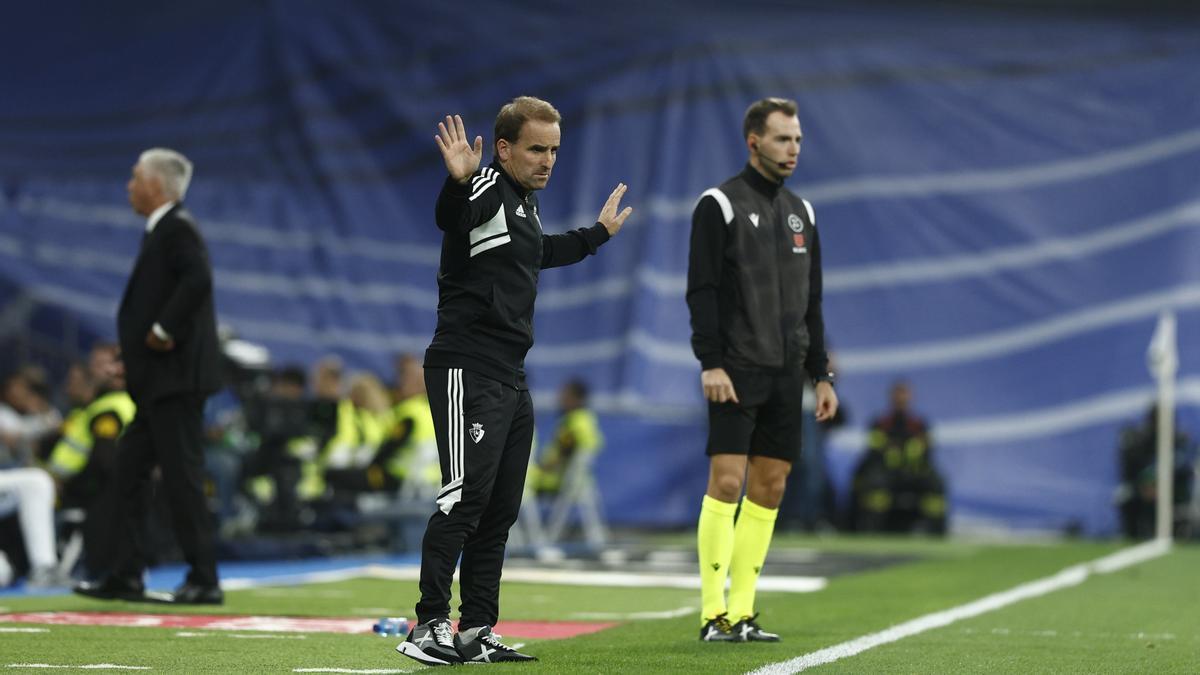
1143	619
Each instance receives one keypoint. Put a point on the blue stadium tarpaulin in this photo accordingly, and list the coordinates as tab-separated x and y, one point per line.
1007	199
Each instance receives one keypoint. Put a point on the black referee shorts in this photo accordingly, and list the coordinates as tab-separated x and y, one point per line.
766	422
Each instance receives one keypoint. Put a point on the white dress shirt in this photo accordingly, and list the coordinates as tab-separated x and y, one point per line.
157	215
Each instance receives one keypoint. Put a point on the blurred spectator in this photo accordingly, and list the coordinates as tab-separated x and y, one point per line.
563	470
78	390
410	452
33	492
897	487
26	416
84	458
79	387
331	413
283	423
349	459
328	390
226	445
577	436
1137	494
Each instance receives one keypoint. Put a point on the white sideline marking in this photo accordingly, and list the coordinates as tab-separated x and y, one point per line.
90	666
342	670
24	630
623	616
787	584
1071	576
1140	635
328	576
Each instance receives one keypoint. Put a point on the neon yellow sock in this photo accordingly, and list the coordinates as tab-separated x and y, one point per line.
752	538
714	544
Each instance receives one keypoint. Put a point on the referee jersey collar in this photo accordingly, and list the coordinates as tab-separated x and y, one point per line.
760	182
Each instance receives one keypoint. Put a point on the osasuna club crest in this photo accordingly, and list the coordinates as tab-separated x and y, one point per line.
476	432
795	223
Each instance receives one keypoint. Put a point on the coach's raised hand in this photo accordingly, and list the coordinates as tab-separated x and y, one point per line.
462	159
609	218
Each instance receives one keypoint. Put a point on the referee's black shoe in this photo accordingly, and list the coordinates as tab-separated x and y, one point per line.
717	629
431	643
748	630
481	645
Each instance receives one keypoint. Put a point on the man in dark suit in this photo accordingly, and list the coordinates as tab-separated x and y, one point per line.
167	330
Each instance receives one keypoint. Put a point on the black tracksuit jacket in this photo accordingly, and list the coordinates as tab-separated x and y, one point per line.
754	279
493	249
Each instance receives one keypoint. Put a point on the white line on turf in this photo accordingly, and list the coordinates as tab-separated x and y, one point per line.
788	584
633	616
343	670
241	583
1140	635
24	630
785	584
245	636
90	666
1071	576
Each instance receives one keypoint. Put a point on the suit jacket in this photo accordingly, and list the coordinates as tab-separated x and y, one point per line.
171	284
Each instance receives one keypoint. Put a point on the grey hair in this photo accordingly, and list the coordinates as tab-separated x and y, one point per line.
171	167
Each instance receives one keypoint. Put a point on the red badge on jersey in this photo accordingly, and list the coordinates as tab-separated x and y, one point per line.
798	240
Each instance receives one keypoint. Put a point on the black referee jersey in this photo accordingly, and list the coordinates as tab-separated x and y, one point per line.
754	278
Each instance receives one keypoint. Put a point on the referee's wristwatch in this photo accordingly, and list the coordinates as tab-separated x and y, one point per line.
827	377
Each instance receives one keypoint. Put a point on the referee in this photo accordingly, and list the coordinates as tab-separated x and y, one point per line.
754	293
493	249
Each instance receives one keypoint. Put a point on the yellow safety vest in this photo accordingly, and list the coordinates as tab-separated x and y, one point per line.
420	449
81	427
579	428
357	432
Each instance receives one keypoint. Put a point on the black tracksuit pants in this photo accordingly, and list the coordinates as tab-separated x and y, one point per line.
484	434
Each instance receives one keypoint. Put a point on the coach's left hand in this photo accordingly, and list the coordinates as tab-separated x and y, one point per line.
609	218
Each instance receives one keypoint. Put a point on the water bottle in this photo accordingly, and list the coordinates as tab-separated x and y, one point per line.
391	626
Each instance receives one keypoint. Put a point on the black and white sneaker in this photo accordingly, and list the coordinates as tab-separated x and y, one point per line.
717	629
481	645
431	643
748	630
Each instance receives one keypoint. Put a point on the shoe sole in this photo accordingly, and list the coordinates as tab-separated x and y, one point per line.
414	652
127	596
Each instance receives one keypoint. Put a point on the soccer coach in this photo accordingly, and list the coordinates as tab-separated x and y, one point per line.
493	250
166	325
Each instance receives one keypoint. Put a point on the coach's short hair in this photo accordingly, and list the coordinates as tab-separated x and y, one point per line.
520	110
171	167
755	121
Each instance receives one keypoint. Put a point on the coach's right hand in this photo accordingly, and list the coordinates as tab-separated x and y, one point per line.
718	388
461	159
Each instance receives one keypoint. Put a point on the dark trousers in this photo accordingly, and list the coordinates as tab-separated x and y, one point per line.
484	433
164	433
